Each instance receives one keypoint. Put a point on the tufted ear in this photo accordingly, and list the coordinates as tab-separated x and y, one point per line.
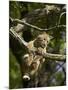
51	37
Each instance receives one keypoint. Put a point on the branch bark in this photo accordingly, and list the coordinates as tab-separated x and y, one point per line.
46	55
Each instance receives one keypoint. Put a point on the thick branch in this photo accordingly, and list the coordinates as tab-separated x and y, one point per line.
55	57
35	27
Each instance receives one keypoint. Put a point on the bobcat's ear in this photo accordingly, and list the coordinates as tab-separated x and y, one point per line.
51	37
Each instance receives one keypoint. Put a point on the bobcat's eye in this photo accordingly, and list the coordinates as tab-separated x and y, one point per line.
44	38
47	41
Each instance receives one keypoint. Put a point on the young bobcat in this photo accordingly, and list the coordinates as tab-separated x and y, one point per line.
33	59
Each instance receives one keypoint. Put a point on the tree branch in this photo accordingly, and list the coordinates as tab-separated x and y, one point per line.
46	55
54	57
33	26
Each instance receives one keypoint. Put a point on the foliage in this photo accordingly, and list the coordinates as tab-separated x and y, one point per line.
15	73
